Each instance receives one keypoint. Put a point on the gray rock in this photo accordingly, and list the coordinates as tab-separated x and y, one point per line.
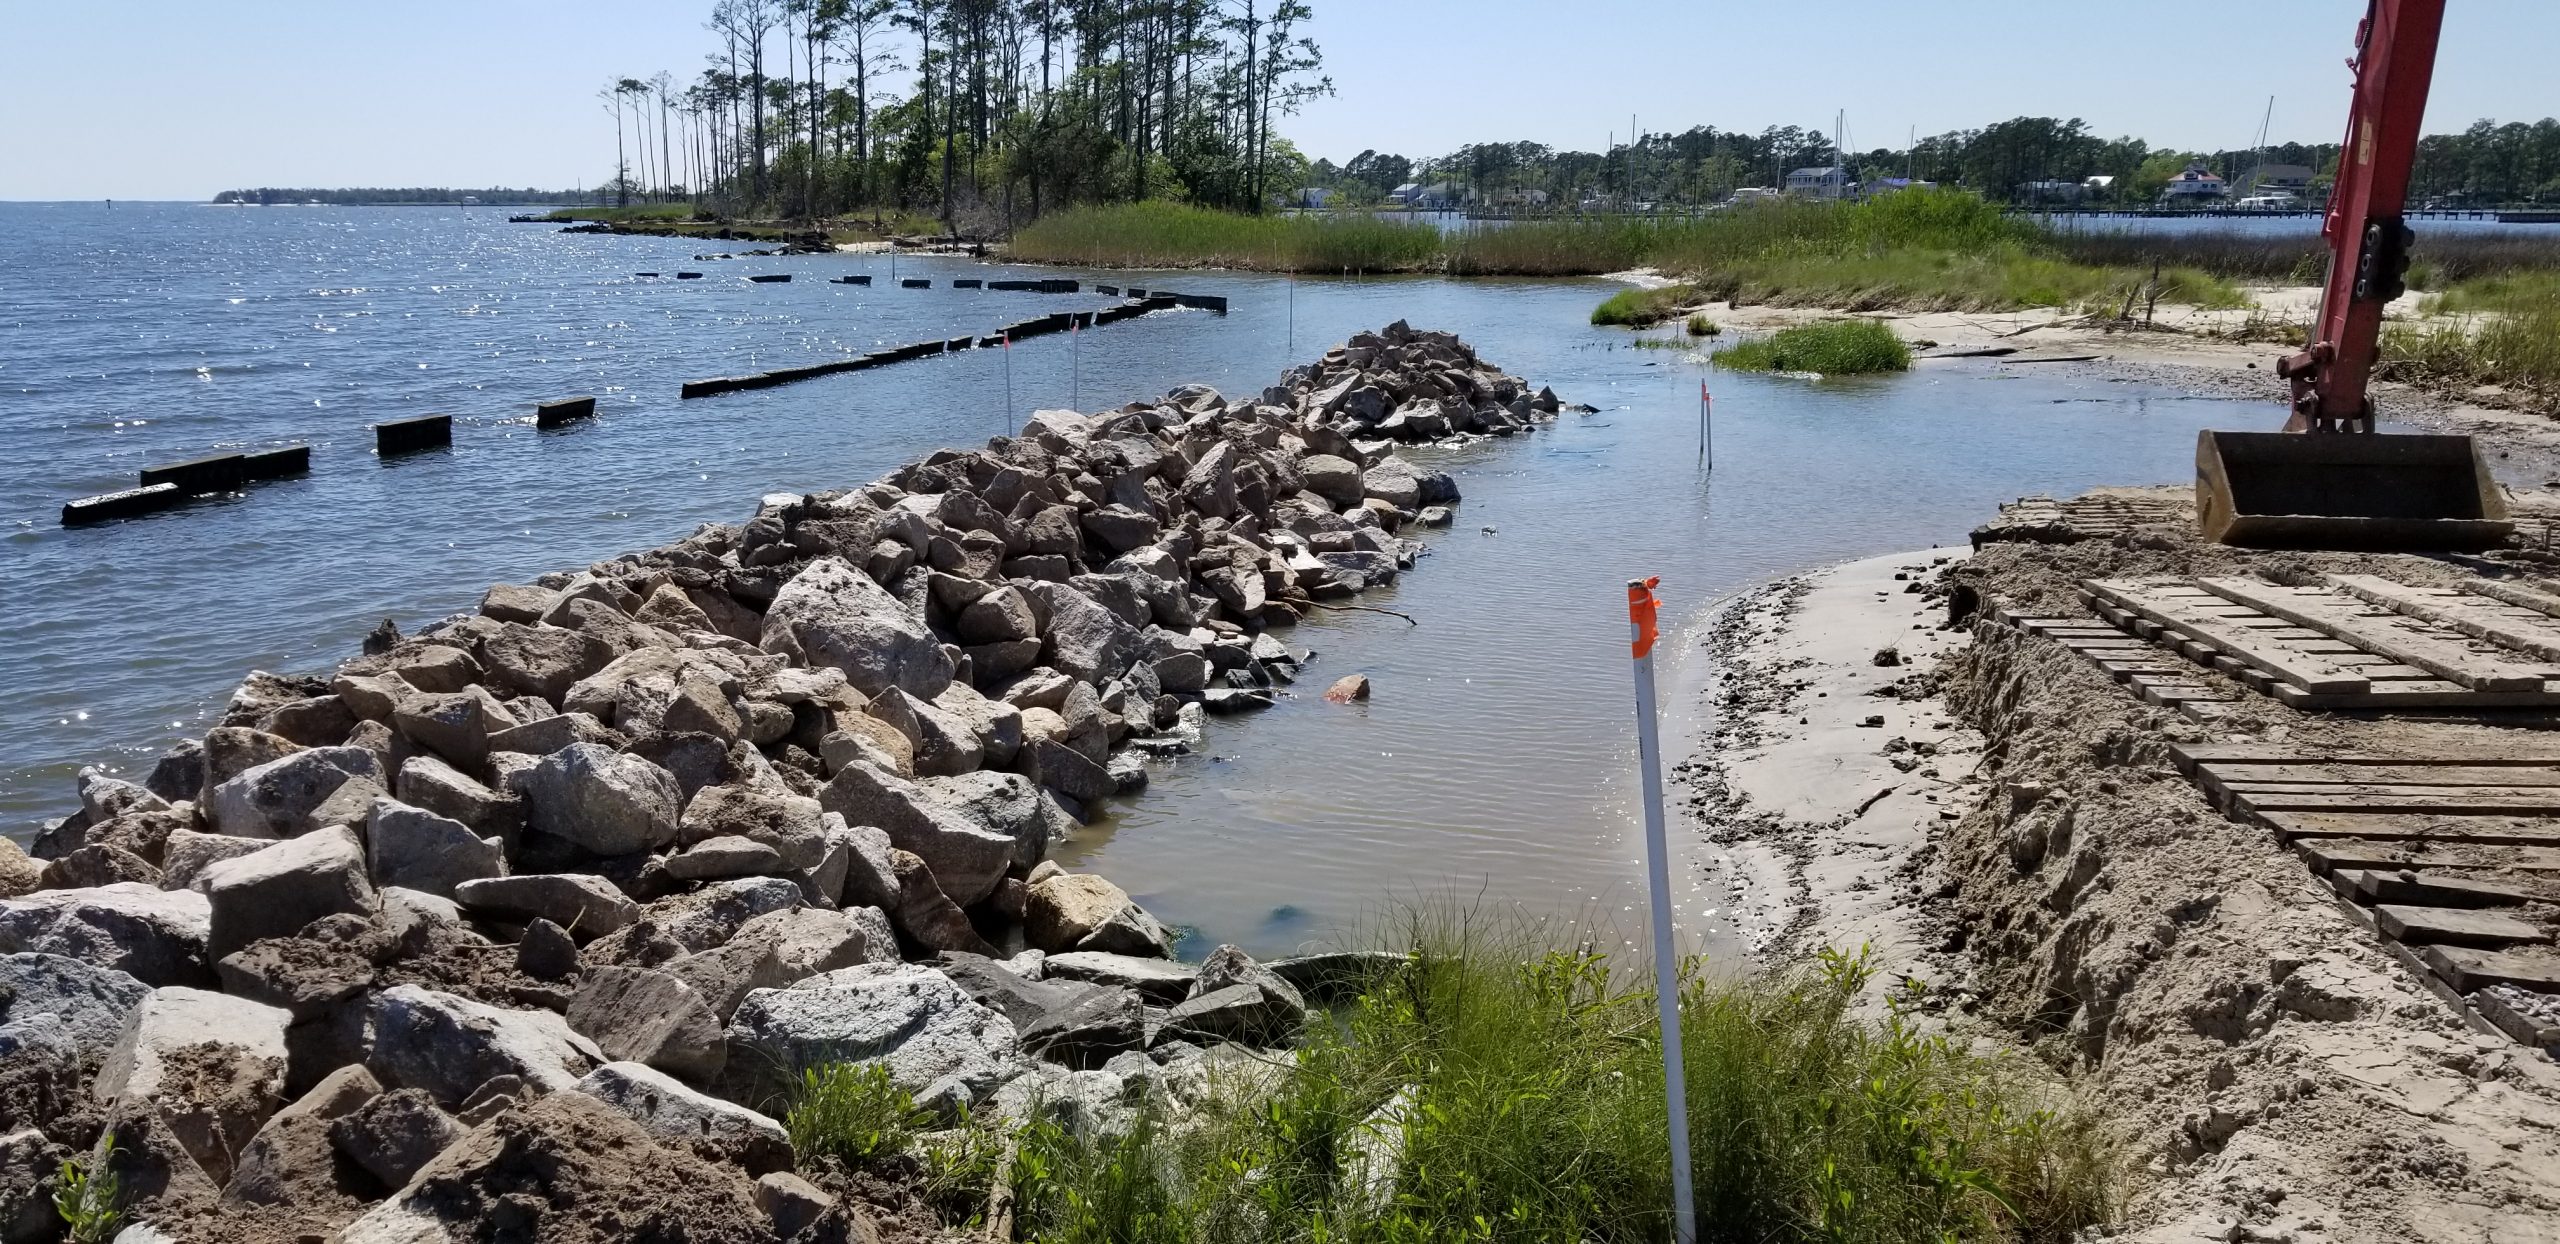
1063	769
997	617
645	1015
793	825
1229	965
429	783
695	922
449	1046
1331	974
549	734
419	850
683	1117
582	903
966	856
1394	481
791	1203
942	1047
870	875
29	1164
277	1166
1157	980
394	1135
157	936
94	865
832	615
80	1004
1235	1013
1084	639
455	725
273	893
1334	479
546	952
542	661
1234	699
277	799
714	859
607	803
927	915
208	1068
18	872
187	854
1081	911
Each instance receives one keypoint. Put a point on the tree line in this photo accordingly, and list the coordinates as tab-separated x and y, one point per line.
2022	160
982	112
375	196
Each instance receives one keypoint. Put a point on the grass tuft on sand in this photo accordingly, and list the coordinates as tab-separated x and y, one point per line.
1830	348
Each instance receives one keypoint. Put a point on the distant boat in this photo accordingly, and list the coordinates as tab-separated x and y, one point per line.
771	276
471	200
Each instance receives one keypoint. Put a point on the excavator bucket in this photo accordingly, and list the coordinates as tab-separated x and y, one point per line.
2346	490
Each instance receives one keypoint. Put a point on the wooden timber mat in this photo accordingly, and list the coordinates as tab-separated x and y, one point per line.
2353	642
2449	856
2167	680
2045	520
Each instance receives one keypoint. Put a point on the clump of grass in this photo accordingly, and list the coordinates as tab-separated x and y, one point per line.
1644	308
852	1113
1493	1090
1830	348
1700	326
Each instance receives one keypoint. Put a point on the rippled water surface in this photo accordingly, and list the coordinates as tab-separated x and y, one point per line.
1494	758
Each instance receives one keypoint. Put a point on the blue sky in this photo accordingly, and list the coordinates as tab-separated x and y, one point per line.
140	99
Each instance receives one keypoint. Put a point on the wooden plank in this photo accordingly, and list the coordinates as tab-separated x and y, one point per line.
2452	926
2386	885
2468	968
2420	827
2307	671
2326	854
2453	801
2402	697
2389	775
2514	594
2400	640
2191	754
2531	633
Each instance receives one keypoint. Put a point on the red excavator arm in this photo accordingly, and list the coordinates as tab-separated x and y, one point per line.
2356	492
2368	242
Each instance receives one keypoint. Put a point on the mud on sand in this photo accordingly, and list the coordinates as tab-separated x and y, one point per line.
2014	835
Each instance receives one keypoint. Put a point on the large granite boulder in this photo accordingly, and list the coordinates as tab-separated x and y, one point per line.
831	614
607	802
274	892
157	936
450	1046
940	1045
208	1067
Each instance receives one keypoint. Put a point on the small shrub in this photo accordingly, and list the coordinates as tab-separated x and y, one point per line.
850	1112
1830	348
1701	326
88	1195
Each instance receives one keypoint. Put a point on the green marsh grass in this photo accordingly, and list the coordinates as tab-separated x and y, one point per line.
1493	1088
1831	348
1644	308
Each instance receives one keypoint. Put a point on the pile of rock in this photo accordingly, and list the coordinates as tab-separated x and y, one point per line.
591	872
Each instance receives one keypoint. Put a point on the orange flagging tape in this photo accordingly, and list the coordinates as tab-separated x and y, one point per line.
1640	611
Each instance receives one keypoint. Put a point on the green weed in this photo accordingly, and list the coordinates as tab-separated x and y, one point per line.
1701	326
1644	308
89	1195
850	1112
1831	348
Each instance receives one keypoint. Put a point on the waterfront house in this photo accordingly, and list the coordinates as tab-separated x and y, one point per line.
1403	195
2195	185
1820	183
2053	191
1887	185
2267	179
1315	198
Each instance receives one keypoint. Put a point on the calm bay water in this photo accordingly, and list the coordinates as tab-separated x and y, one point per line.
1493	760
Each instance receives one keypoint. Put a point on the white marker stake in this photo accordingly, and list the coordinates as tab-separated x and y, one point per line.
1641	608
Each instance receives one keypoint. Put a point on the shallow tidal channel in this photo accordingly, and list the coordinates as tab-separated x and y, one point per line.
1493	763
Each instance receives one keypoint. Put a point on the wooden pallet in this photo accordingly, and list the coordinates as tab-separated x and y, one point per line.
2155	679
2329	647
2451	858
2045	520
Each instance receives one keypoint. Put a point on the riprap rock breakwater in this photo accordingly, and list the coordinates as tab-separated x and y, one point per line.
594	871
